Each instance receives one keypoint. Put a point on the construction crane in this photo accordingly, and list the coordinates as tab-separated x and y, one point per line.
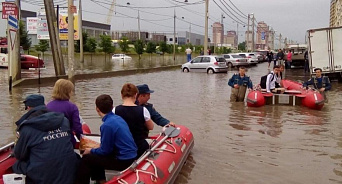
111	11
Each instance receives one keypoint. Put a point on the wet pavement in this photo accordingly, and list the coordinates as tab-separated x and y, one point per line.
233	143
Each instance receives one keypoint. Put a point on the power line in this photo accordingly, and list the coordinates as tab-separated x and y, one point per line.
243	16
237	8
240	22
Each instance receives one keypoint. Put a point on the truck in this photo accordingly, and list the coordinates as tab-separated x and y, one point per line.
325	51
298	51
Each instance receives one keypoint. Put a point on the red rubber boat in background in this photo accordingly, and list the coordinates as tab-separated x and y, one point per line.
309	98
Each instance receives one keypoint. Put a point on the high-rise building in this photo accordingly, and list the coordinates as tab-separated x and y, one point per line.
231	38
218	33
335	13
262	36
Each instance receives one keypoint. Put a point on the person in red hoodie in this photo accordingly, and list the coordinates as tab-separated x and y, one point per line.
289	60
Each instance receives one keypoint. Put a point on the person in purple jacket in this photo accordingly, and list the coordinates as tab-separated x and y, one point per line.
61	95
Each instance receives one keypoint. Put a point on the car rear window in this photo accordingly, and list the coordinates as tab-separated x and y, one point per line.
236	56
251	54
220	59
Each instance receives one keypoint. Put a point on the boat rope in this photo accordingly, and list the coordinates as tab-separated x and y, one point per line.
154	176
122	181
170	144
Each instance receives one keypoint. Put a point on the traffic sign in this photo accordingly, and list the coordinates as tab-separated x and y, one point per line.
12	21
9	9
13	35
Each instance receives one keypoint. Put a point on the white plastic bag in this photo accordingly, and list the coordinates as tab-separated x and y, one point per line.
14	178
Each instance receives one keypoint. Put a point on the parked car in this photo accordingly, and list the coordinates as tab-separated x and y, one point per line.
251	58
259	56
233	60
206	63
27	61
120	57
264	53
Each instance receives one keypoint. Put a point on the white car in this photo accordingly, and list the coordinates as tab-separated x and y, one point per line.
121	57
251	58
206	63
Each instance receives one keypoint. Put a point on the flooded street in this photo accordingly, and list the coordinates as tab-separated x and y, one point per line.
233	143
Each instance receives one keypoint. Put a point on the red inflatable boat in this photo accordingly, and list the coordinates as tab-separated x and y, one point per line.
294	95
161	164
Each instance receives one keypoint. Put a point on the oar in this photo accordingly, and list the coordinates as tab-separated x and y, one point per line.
169	132
5	148
9	156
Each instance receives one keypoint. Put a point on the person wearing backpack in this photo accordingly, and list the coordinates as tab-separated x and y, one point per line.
319	82
271	81
239	83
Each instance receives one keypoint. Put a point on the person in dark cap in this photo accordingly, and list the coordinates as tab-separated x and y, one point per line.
43	151
142	99
319	82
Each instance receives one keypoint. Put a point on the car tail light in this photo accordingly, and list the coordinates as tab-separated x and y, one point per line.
249	57
216	63
237	60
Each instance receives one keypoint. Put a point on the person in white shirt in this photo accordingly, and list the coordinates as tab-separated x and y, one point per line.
188	52
271	83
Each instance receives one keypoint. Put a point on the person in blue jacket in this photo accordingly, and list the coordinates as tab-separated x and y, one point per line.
117	150
142	99
43	151
319	82
239	83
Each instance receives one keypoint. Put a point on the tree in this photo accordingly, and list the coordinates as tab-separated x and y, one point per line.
124	45
25	41
106	44
151	48
139	48
85	46
163	47
242	46
42	46
91	45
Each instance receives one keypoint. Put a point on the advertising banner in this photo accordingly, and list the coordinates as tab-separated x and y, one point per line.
63	25
31	25
9	9
42	30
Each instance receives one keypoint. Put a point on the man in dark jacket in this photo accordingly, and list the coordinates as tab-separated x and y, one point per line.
319	82
43	151
280	57
142	99
239	83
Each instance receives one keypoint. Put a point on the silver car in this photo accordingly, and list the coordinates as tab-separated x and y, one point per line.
206	63
235	60
251	58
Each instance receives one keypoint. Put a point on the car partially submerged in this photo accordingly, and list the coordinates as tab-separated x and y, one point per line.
27	61
206	63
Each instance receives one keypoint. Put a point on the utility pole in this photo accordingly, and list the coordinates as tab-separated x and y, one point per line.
190	33
174	36
139	25
15	64
237	34
247	44
80	31
71	57
253	24
54	38
206	28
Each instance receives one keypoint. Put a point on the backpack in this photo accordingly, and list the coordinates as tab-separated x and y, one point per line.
264	79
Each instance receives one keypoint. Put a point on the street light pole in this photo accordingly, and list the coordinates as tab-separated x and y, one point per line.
206	28
139	25
71	56
174	36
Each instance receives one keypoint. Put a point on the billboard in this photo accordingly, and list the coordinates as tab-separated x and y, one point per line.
42	30
31	25
63	25
262	35
9	9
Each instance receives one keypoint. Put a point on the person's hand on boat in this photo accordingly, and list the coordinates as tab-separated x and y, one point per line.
171	124
236	86
322	89
86	151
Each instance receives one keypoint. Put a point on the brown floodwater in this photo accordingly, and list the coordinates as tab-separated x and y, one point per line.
233	143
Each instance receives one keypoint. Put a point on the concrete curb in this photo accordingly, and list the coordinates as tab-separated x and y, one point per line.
46	81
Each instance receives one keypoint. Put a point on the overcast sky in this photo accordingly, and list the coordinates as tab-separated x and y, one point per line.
291	18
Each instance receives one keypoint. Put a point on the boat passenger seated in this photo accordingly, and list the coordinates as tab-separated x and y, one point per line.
117	150
271	82
137	117
43	151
